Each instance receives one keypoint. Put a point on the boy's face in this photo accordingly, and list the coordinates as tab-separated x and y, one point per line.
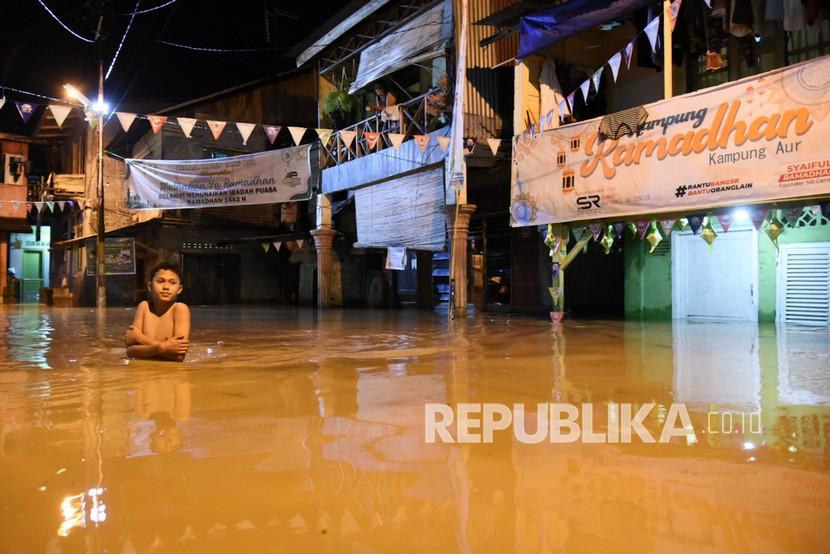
165	286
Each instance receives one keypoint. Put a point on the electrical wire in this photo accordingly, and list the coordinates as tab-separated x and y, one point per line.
123	38
219	50
4	88
56	18
136	11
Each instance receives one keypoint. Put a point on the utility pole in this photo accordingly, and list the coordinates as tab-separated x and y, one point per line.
100	258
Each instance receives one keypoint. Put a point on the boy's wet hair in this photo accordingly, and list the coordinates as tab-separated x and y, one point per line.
169	266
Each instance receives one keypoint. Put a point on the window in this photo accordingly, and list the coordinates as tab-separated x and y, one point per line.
561	158
568	181
574	144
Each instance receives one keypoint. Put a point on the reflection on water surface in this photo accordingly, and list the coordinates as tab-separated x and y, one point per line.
289	431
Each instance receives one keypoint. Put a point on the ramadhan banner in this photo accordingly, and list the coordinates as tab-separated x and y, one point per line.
264	178
755	140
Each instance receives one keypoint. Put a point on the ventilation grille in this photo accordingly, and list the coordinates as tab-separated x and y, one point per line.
805	283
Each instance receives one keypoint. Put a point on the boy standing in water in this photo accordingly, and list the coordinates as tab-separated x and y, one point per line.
161	328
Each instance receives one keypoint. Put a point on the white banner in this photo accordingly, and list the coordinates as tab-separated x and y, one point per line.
264	178
755	140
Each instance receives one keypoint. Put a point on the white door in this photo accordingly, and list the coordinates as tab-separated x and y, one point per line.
803	284
720	282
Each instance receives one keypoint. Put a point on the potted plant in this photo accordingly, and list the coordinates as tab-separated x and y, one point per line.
340	106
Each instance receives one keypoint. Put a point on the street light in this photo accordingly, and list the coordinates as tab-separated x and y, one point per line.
98	109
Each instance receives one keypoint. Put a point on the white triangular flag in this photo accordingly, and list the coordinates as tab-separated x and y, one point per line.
347	137
324	135
300	243
627	52
245	129
186	123
494	144
266	246
443	142
595	78
585	87
126	120
396	139
651	32
297	134
51	206
61	204
563	108
277	244
2	101
615	62
59	112
216	128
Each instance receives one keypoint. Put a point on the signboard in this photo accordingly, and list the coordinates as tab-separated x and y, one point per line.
264	178
119	256
755	140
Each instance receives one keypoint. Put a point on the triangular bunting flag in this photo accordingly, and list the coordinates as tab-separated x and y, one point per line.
443	142
26	110
614	63
619	228
2	101
59	112
725	221
39	206
494	144
347	137
627	52
300	243
15	205
396	139
271	131
667	225
596	77
371	139
758	215
157	122
51	205
578	232
324	135
186	123
695	222
675	9
642	227
125	119
563	108
30	206
422	141
61	204
277	245
216	128
266	246
651	32
297	134
793	214
245	129
596	230
585	87
570	98
470	144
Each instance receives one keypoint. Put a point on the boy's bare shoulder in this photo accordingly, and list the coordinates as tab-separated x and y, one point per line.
182	306
143	305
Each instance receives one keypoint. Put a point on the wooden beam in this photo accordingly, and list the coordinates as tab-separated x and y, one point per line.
575	251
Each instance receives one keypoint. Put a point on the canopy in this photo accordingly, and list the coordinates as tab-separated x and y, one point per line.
548	27
423	38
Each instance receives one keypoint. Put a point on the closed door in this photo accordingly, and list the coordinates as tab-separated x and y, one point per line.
717	282
32	276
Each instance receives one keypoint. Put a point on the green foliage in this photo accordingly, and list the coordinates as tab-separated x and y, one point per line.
339	106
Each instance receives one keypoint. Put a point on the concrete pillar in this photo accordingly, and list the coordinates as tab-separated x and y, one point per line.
323	240
4	261
461	228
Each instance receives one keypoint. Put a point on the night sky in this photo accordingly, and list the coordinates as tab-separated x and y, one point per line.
37	54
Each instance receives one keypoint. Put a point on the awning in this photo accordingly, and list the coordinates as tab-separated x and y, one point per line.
408	211
14	225
423	38
548	27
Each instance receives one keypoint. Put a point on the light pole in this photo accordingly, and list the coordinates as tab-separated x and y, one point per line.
98	109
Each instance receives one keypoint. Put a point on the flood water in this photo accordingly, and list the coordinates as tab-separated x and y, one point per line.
289	431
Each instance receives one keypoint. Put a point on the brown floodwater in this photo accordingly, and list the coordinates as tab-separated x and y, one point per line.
289	431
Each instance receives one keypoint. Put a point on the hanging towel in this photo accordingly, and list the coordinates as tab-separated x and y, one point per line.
620	124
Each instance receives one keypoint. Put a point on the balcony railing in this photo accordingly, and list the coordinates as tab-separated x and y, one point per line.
417	116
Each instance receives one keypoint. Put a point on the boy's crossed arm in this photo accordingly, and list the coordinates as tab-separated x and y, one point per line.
140	345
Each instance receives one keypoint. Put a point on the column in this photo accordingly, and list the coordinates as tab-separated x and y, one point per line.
323	240
461	228
4	261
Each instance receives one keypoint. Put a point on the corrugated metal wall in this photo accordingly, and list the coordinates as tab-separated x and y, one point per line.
488	98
